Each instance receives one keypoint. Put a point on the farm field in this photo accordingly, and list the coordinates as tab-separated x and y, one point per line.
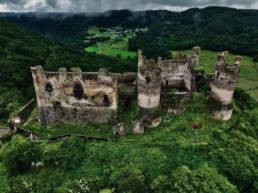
117	45
248	77
115	42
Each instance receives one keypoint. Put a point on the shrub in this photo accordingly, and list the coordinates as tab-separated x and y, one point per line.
18	155
202	180
255	58
70	153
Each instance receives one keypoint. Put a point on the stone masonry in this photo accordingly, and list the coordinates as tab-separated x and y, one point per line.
93	97
222	87
75	97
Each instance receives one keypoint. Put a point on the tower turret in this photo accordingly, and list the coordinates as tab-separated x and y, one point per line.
149	83
195	55
222	87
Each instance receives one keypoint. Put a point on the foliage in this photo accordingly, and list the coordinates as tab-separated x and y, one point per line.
20	49
175	157
70	153
255	58
18	155
201	180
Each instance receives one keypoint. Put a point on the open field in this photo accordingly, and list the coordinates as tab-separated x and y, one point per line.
109	51
248	78
115	43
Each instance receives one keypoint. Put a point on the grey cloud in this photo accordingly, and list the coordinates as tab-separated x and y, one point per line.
104	5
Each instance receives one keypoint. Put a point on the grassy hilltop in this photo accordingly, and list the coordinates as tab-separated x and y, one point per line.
115	41
190	152
186	152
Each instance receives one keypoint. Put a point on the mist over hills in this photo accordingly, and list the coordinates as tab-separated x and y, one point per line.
227	28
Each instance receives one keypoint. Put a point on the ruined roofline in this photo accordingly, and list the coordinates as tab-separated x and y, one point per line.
222	64
63	70
120	77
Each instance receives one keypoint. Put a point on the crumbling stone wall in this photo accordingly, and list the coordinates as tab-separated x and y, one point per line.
80	97
75	97
149	83
179	72
222	87
127	92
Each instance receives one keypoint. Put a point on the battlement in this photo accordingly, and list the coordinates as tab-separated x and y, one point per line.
66	96
225	75
223	85
148	68
148	82
179	71
78	97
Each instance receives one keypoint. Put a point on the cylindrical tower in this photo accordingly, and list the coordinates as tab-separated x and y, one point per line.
222	87
149	83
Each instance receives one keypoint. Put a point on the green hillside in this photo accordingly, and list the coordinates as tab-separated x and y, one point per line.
248	77
187	152
20	48
110	41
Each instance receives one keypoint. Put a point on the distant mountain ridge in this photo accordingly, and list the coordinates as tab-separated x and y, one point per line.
73	24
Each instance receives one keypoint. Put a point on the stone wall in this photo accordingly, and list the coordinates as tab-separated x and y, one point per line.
148	83
178	72
222	87
75	96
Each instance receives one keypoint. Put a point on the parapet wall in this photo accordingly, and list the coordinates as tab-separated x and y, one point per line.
81	97
148	83
222	87
178	72
75	96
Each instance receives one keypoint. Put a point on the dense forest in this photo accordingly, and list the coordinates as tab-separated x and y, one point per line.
212	28
21	48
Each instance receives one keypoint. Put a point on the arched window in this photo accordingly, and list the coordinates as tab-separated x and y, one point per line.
106	101
218	74
147	78
49	87
78	91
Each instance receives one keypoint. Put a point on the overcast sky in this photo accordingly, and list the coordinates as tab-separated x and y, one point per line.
88	6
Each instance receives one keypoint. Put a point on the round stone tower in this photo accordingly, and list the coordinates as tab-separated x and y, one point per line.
222	87
149	83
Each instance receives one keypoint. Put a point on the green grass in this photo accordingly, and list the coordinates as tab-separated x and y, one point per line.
3	179
105	50
174	143
248	77
117	47
45	132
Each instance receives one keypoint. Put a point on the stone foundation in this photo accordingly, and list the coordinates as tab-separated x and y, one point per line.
66	115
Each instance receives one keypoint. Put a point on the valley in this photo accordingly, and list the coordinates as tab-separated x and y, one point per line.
189	151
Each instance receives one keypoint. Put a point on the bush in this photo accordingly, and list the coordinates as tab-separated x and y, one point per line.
43	182
244	100
255	58
19	154
138	169
202	180
70	153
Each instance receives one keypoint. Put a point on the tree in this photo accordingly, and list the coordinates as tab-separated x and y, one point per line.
201	180
255	58
19	154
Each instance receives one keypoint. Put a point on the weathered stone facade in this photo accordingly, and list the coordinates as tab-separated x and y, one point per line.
222	87
149	83
75	97
93	97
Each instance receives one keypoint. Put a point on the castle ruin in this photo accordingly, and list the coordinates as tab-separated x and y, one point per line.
75	97
93	97
222	87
